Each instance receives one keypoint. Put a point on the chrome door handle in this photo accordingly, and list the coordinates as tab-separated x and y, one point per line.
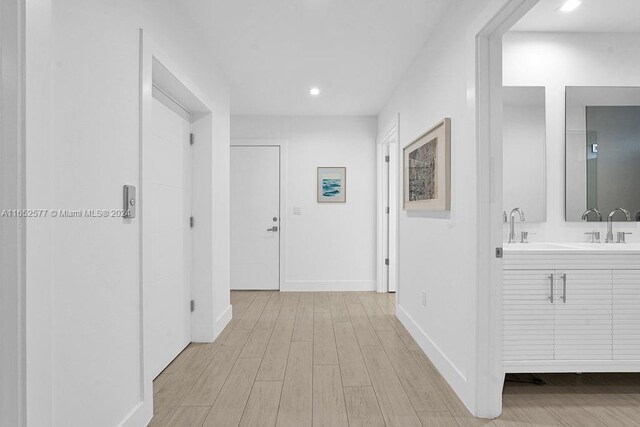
564	288
274	228
550	297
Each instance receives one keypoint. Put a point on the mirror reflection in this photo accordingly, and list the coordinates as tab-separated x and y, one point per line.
524	140
602	153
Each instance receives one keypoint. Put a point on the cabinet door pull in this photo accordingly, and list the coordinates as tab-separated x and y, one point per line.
564	288
550	297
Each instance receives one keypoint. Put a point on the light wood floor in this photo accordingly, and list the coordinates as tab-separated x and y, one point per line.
344	359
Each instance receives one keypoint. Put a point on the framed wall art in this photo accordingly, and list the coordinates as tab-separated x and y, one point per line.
427	170
332	185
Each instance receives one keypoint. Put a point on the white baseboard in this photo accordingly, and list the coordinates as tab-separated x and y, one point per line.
222	321
208	331
140	415
454	376
332	285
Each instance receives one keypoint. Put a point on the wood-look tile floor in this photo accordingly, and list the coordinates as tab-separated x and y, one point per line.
344	359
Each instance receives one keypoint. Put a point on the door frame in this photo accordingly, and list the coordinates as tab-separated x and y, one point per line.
13	388
390	136
156	66
484	84
283	223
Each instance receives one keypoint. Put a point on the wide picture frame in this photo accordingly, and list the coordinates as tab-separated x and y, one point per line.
427	170
332	185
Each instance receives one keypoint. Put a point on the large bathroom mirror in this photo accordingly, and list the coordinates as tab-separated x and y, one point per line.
602	151
524	142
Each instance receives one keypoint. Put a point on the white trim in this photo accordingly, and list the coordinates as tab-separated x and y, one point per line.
484	85
329	286
387	144
449	370
12	245
223	320
284	214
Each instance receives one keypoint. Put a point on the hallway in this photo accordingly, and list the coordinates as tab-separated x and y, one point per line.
303	358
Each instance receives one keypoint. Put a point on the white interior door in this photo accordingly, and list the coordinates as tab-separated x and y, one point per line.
255	217
385	219
166	209
389	236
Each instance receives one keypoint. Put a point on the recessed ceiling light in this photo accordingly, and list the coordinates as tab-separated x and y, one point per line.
314	91
570	5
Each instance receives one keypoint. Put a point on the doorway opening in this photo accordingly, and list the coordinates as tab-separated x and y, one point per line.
176	218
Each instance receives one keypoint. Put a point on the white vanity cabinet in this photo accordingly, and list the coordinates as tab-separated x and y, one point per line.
528	315
583	315
562	313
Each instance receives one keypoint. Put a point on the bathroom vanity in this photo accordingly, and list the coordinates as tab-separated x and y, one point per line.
571	307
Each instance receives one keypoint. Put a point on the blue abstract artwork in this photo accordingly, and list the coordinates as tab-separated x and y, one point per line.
331	187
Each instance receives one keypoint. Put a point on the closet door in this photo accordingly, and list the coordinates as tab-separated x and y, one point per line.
528	315
626	315
583	315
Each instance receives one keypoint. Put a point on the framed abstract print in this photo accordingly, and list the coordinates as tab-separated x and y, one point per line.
332	185
427	170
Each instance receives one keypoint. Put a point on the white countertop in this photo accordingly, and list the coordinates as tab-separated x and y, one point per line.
573	247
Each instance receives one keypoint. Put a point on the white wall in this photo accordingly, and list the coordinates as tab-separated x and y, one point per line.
556	60
39	188
329	246
438	251
12	233
523	136
90	353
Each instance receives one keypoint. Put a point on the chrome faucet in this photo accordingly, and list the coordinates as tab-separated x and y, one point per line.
512	229
609	238
586	213
595	235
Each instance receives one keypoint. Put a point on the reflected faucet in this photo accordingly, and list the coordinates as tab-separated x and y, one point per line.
512	229
609	238
586	213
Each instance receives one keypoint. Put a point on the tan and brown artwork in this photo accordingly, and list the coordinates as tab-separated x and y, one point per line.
423	172
427	170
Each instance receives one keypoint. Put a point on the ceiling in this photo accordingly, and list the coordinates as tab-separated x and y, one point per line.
273	52
591	16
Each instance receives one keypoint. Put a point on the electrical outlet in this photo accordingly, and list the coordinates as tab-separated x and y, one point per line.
297	210
423	298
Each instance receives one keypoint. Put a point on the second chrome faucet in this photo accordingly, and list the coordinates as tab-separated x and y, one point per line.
595	235
512	227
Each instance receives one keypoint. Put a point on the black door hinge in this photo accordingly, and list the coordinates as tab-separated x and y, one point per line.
191	221
192	305
191	139
387	158
386	261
